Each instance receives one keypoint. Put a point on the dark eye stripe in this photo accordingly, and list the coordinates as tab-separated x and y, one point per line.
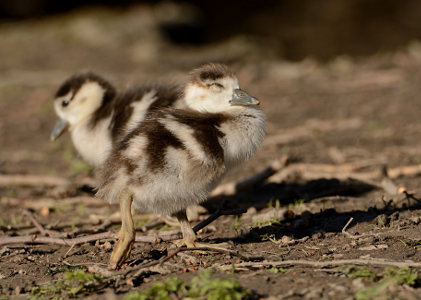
218	84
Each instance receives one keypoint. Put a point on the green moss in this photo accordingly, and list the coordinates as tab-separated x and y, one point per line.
74	283
403	275
200	287
391	276
362	272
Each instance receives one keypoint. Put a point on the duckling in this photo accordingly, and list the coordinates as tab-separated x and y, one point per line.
90	108
175	157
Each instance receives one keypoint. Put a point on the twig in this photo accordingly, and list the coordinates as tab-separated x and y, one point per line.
346	226
114	219
34	239
409	195
150	225
329	263
37	224
178	235
70	249
104	226
109	234
14	227
175	252
31	180
355	237
311	127
315	171
216	215
55	241
140	268
404	171
349	171
37	204
293	242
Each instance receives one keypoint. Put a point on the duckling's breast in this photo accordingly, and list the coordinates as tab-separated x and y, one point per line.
243	134
94	144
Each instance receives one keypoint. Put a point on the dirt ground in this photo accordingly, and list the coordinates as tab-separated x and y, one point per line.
336	127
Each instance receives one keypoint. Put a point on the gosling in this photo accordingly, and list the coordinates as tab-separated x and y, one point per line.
97	116
175	157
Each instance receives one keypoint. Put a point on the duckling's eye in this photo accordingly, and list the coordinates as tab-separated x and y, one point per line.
217	84
64	103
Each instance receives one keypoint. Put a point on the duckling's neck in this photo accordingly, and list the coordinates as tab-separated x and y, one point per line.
244	132
92	142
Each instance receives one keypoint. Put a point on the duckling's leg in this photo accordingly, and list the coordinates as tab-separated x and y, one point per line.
189	237
126	236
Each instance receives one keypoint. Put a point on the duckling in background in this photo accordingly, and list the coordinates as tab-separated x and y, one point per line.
97	116
175	157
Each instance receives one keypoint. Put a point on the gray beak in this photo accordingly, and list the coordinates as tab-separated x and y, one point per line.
60	127
240	97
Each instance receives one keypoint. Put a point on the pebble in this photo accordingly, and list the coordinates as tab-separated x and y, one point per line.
18	290
106	246
286	239
31	258
314	293
337	287
374	247
358	284
416	219
22	272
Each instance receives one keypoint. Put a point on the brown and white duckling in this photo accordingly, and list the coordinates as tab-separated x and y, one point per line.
97	116
175	157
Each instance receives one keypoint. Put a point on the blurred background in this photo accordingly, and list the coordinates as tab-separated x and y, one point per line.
289	29
305	59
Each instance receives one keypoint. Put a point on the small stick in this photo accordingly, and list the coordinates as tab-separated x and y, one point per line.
55	241
404	171
216	215
299	262
328	263
411	196
31	180
355	237
104	226
37	204
346	226
70	249
37	224
14	228
175	252
296	133
201	225
109	234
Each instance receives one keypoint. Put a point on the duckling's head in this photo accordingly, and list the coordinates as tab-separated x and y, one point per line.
214	88
78	98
